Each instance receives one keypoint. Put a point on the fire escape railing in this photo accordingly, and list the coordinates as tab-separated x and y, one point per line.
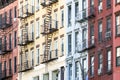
5	48
25	66
4	74
52	55
26	11
6	22
86	14
48	2
52	27
26	39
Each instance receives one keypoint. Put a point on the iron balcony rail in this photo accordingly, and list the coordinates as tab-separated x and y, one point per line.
26	11
4	3
4	74
5	48
26	39
6	22
52	55
85	14
25	66
48	2
50	27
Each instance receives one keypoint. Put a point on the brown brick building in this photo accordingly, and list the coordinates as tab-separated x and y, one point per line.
8	40
104	41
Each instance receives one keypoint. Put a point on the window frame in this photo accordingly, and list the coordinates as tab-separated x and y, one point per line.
118	56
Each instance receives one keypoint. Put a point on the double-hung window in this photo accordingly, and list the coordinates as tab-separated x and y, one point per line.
100	62
37	28
69	15
118	24
100	31
92	66
118	56
69	44
76	9
109	60
70	72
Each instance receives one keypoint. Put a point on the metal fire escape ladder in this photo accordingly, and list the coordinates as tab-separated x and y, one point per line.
48	37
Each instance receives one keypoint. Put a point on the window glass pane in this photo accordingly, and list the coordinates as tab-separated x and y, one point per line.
118	52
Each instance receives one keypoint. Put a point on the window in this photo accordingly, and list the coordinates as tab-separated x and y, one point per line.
62	46
91	34
5	66
56	22
0	20
56	48
118	56
84	34
109	60
38	56
36	78
91	2
10	16
5	17
69	44
62	18
32	31
37	6
92	66
62	73
26	59
117	1
15	64
100	31
100	60
37	29
10	41
77	70
10	66
76	41
70	72
15	38
32	56
0	68
69	15
108	3
100	6
118	24
108	24
76	9
0	44
84	8
84	68
15	11
5	43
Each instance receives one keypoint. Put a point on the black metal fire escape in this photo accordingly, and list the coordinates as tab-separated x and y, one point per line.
48	29
25	37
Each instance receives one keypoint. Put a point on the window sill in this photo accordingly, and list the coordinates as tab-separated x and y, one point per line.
37	37
61	27
117	4
61	55
109	72
108	7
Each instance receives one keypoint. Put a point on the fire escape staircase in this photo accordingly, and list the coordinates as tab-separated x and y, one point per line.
48	31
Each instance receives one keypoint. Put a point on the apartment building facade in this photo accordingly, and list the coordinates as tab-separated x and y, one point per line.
41	40
8	40
104	40
76	39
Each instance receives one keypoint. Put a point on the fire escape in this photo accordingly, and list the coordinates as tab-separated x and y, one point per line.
5	23
49	27
86	14
26	37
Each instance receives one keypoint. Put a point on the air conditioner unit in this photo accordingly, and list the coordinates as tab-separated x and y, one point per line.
108	34
100	7
99	71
